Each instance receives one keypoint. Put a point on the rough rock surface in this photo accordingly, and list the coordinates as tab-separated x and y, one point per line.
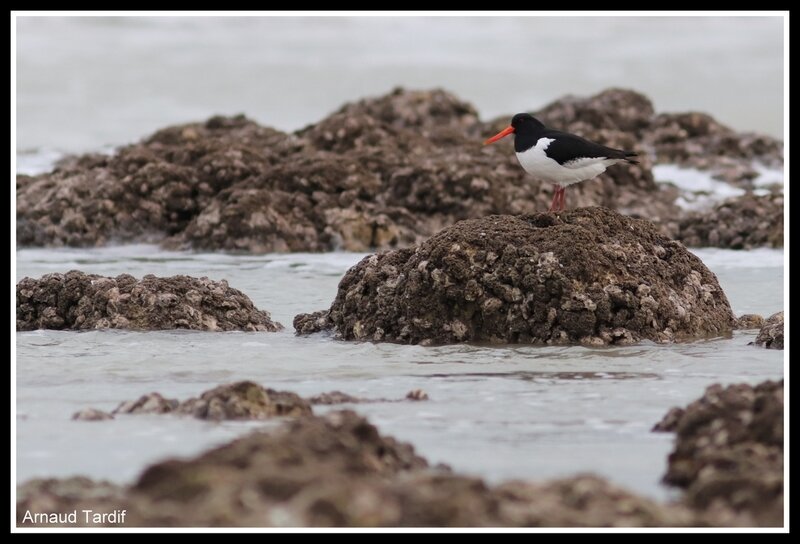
79	301
697	140
380	173
339	471
729	452
238	400
749	321
744	222
771	334
144	191
588	275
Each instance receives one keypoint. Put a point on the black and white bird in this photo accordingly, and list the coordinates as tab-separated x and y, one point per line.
558	157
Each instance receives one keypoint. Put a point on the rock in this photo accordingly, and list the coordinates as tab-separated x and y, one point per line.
91	414
338	470
728	453
379	173
79	301
417	394
588	275
144	191
696	140
152	403
749	321
238	400
740	223
245	400
771	334
337	397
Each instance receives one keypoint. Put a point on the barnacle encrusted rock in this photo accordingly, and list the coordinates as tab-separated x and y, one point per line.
589	275
79	301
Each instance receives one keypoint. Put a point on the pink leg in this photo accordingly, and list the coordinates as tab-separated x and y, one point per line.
556	193
563	200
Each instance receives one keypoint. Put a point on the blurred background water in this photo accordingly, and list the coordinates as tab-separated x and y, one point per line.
88	82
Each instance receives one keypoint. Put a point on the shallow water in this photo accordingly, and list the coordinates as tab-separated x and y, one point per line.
499	412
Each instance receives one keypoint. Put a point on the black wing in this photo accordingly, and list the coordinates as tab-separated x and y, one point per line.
568	147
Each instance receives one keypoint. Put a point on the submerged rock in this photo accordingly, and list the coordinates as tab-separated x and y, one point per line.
238	400
749	321
588	275
79	301
337	397
91	414
729	453
245	400
771	334
151	403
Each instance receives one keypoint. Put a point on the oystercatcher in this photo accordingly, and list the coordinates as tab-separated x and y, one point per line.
558	157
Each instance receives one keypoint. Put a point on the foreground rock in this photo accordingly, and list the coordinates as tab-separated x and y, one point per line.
239	400
588	275
79	301
729	453
339	471
771	334
380	173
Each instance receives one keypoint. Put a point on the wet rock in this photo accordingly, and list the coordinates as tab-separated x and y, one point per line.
245	400
312	323
749	321
417	394
238	400
729	453
339	471
337	397
740	223
383	172
771	334
91	414
152	403
588	275
79	301
144	191
696	140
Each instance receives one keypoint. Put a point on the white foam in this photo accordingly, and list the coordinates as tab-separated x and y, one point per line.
699	189
767	176
37	161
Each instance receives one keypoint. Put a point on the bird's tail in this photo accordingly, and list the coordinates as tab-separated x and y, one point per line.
628	155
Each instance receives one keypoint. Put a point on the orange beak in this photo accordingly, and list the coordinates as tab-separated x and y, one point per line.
502	134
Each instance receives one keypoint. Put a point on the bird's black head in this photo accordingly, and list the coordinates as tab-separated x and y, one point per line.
524	126
525	121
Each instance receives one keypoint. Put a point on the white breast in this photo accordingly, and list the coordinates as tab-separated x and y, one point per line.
536	162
